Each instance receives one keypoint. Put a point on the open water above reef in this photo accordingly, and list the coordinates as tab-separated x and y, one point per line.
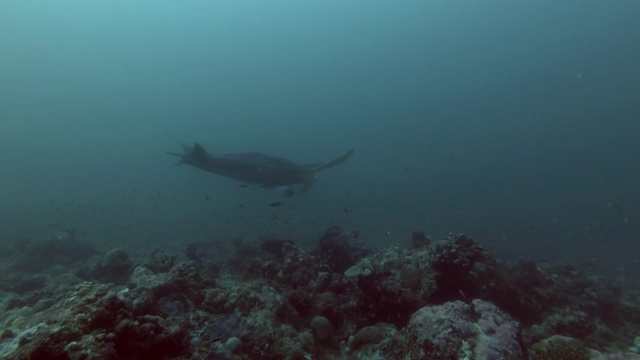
515	123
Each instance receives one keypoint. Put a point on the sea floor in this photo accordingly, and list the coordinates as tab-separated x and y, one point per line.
61	298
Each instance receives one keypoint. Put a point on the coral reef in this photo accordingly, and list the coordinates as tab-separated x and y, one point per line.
444	299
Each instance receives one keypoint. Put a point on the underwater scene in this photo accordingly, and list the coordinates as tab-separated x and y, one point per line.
301	180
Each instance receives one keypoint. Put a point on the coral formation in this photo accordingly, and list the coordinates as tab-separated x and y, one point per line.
446	299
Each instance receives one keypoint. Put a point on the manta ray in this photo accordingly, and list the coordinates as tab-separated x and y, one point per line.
255	168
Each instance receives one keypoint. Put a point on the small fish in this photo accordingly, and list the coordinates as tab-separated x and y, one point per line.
464	296
346	211
287	191
242	206
206	197
630	222
275	204
244	186
614	206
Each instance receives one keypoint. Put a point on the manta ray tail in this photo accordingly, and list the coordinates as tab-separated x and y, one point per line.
335	162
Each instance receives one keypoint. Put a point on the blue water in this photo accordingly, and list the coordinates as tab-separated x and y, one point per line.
514	122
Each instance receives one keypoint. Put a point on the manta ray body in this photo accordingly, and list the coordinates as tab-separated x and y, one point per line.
256	168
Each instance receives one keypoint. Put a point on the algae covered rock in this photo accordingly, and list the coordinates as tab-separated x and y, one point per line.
114	266
366	335
362	268
322	328
160	261
559	347
456	330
